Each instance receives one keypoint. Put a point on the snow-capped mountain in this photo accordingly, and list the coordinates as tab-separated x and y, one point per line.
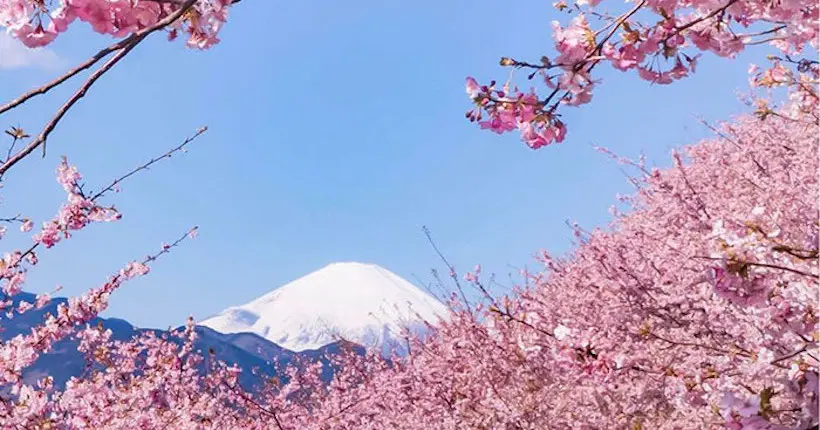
361	303
301	322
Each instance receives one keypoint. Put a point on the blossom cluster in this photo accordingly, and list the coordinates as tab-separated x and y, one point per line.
661	40
77	213
22	350
37	23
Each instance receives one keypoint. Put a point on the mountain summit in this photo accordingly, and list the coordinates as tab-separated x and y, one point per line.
362	303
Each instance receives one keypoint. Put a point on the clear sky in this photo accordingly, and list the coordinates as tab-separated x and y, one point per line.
336	131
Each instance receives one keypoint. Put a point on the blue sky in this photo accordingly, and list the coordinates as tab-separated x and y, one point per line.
336	132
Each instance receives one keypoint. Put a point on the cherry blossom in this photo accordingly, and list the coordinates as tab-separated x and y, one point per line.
694	309
37	23
660	40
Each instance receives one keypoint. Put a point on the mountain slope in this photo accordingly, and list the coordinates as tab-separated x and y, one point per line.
248	351
361	303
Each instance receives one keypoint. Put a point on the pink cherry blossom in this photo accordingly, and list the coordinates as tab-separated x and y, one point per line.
639	327
472	88
38	23
661	40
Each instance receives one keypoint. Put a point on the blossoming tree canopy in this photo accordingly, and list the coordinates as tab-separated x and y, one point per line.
38	22
697	309
661	40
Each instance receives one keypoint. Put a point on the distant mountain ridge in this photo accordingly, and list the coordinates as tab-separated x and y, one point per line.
246	350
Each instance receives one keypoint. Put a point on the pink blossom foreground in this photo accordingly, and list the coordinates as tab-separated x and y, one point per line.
695	309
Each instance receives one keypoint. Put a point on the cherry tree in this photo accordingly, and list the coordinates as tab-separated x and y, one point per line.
660	40
150	381
696	308
36	23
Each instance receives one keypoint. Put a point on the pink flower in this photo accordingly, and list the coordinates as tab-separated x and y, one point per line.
534	138
655	77
695	398
581	97
23	307
61	18
133	270
590	3
625	57
42	300
722	43
68	176
731	404
574	82
14	284
49	235
26	226
753	69
34	37
561	332
740	290
572	42
501	122
473	89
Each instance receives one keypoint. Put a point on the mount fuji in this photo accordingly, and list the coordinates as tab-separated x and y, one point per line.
360	303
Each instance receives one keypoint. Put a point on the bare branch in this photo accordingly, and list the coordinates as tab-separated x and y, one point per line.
149	163
68	75
452	269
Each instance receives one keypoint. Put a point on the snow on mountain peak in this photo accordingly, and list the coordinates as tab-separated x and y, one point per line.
358	302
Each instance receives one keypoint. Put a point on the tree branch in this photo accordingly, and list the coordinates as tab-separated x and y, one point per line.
202	130
149	163
68	75
132	41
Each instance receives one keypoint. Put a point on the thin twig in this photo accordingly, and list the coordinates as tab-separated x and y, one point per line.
788	356
698	345
149	259
452	269
770	266
266	411
149	163
33	247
